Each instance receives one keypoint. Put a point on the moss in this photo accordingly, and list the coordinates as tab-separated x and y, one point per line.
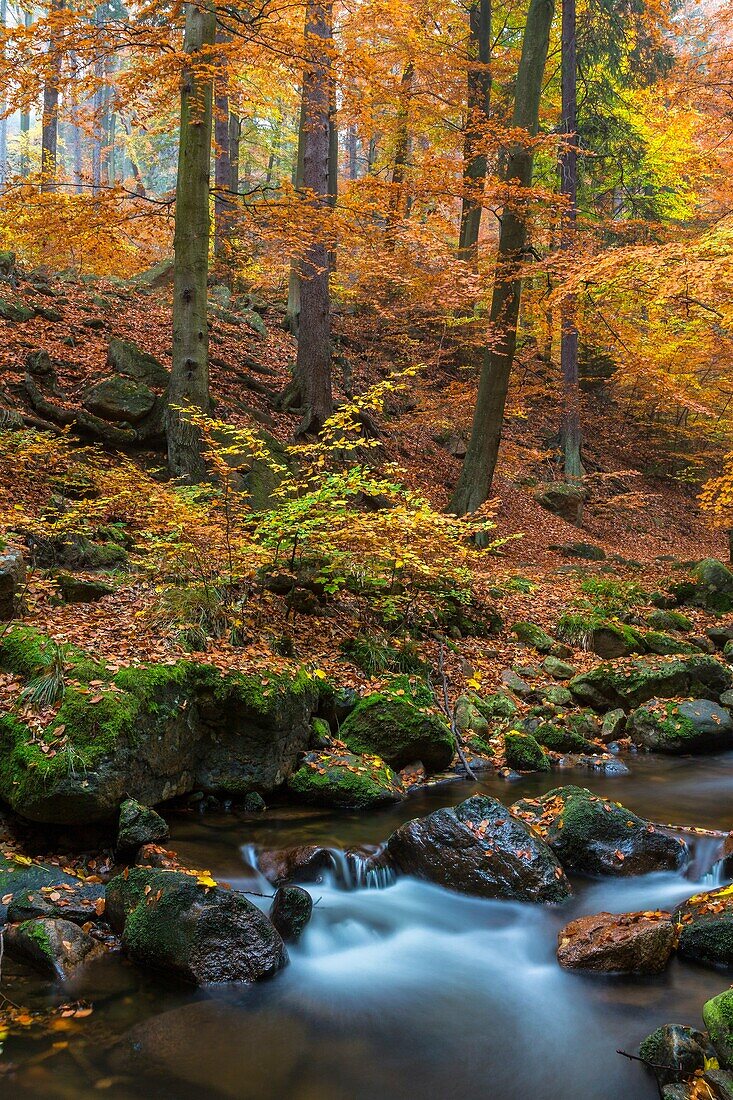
718	1016
665	645
532	635
268	698
563	740
499	705
708	940
667	619
126	891
524	753
398	732
345	781
24	651
35	930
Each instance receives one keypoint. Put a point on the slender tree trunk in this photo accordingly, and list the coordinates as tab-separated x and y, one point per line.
3	120
351	139
291	322
478	110
235	135
222	161
571	437
313	362
402	149
333	157
25	120
189	385
474	483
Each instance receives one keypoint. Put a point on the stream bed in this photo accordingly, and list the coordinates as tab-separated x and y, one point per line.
408	992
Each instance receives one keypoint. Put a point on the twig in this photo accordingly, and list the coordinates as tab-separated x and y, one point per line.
451	714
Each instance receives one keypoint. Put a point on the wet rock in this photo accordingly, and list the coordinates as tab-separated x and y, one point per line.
399	733
12	579
594	836
345	781
676	1052
57	948
479	848
630	684
563	500
18	875
291	910
79	902
78	590
691	726
185	927
706	927
305	862
524	753
633	943
718	1016
254	803
139	825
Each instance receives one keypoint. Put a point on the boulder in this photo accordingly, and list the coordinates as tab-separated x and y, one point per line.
614	725
18	873
304	862
398	732
705	923
345	781
665	645
57	948
479	848
632	683
586	551
12	579
667	619
675	1052
594	836
126	358
633	943
524	753
150	732
566	501
559	669
718	1016
516	684
80	590
192	929
562	738
119	398
610	640
532	635
693	725
291	910
720	634
78	902
139	825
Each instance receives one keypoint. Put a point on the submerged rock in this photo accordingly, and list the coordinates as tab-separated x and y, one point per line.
290	912
594	836
200	933
399	733
693	725
55	947
632	943
479	848
345	781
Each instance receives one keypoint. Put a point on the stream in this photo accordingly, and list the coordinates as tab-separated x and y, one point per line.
408	992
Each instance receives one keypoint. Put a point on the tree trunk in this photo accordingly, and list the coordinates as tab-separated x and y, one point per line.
351	138
568	165
25	120
474	483
235	134
478	109
222	162
402	149
291	322
313	362
189	385
3	119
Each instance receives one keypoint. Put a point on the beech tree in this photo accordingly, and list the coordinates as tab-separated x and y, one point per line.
568	165
478	110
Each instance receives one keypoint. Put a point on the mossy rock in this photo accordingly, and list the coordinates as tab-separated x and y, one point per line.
556	695
346	781
666	645
667	619
675	1052
57	948
629	685
690	726
559	669
151	733
718	1016
498	705
127	359
79	590
469	718
705	923
559	739
532	635
139	825
18	875
399	733
524	753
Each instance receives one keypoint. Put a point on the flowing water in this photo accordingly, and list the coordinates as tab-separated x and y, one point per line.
405	992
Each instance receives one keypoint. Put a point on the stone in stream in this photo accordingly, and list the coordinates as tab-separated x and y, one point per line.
399	733
706	927
78	902
675	1052
57	948
19	874
524	753
594	836
718	1016
345	781
632	943
184	926
139	825
305	862
479	848
690	726
290	912
628	684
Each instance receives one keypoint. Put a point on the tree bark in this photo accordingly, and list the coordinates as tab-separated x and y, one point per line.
478	111
222	161
189	385
568	166
235	134
474	483
3	120
313	362
402	149
291	322
25	120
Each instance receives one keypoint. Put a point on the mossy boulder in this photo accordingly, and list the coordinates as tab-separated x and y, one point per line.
675	1052
705	924
469	719
57	948
666	645
290	912
667	619
717	1014
119	398
479	848
80	590
563	500
562	738
189	928
559	669
630	684
693	725
399	733
150	732
130	361
524	753
532	635
19	874
346	781
499	705
78	902
612	639
139	825
594	836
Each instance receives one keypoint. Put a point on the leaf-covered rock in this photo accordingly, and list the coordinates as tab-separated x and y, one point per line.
346	781
689	726
630	943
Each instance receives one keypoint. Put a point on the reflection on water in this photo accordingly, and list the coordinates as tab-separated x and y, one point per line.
403	992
